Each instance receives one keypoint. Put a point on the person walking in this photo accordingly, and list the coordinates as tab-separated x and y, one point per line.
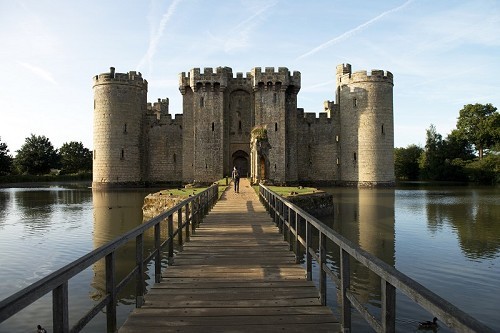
236	178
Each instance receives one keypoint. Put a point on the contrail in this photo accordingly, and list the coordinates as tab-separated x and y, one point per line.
40	72
351	32
155	38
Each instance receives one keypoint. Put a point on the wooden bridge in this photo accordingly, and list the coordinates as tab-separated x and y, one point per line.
235	275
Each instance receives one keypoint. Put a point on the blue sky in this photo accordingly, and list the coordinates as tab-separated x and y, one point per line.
443	54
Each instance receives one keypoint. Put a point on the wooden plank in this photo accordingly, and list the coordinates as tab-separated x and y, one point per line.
236	274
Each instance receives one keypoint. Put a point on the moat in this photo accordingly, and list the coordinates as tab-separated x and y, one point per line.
446	238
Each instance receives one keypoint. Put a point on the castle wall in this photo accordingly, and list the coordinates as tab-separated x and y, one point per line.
240	121
318	150
351	143
119	107
206	107
367	126
272	107
187	135
165	149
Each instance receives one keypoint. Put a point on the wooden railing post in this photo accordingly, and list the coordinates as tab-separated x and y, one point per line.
308	253
111	291
139	281
170	237
290	217
322	273
179	226
297	243
193	216
188	220
345	282
60	314
158	253
388	307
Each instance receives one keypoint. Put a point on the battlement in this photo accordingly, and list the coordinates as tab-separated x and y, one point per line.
269	75
375	75
343	69
160	106
313	118
210	75
132	78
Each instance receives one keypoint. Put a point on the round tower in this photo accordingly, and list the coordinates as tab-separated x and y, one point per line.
367	127
120	102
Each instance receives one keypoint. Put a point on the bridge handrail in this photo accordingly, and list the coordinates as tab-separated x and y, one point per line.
287	216
195	208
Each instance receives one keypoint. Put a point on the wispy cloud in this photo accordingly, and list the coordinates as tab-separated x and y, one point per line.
242	31
157	34
353	31
238	36
40	72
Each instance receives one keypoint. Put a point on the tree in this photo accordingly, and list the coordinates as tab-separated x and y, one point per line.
37	156
480	125
406	162
75	157
5	159
456	146
431	161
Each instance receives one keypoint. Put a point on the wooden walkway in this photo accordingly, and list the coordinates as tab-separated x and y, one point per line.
236	274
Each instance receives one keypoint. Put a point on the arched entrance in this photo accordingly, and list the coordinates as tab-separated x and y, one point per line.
240	161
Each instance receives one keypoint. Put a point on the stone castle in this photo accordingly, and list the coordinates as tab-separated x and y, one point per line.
250	121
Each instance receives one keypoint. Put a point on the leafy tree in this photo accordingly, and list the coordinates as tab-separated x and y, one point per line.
480	125
75	157
37	156
455	146
406	162
5	159
431	161
485	171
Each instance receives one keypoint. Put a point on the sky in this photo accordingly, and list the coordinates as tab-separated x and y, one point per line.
443	54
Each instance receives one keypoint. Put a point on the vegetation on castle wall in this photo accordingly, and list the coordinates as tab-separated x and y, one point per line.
471	152
259	133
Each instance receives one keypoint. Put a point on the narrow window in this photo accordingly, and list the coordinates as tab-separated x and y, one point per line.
354	157
202	102
239	125
175	158
354	102
274	98
336	138
94	154
383	132
213	127
338	162
275	127
125	128
122	156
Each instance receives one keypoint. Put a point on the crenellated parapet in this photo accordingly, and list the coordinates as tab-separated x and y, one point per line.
209	80
376	75
313	118
345	75
131	78
160	108
270	78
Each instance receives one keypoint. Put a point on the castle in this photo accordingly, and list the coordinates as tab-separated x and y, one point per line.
250	121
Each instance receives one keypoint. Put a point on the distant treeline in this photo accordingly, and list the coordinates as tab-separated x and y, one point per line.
470	153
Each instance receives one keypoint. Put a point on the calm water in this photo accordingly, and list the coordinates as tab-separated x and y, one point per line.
448	239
